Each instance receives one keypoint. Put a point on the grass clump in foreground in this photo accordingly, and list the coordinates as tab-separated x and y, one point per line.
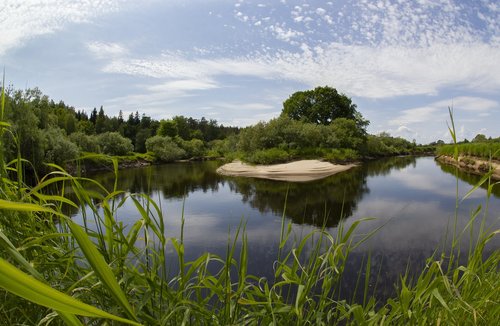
54	271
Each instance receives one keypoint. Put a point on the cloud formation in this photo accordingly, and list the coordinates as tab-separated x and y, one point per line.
24	20
362	71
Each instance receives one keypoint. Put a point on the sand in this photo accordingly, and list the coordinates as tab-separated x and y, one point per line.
299	171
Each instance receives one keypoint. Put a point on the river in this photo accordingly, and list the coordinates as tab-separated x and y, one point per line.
412	199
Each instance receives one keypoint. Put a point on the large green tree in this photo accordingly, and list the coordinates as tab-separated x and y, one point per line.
322	105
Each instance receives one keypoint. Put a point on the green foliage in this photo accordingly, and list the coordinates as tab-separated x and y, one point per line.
341	155
268	156
194	148
343	133
164	149
481	150
386	145
299	139
480	138
321	105
86	143
167	128
59	148
112	143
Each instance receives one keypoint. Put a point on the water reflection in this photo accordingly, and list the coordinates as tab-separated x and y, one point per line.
410	197
319	203
469	178
173	180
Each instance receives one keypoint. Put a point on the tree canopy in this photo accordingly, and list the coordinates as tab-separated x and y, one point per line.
321	105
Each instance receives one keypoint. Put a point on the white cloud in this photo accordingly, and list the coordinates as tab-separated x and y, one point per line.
106	50
184	85
360	70
24	20
439	110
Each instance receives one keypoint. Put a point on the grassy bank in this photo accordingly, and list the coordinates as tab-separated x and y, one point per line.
480	150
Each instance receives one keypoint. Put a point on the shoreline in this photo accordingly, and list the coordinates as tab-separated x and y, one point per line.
298	171
472	165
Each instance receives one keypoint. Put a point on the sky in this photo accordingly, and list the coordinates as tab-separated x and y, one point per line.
403	63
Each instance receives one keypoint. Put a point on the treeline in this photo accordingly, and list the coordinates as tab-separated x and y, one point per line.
283	139
319	123
43	131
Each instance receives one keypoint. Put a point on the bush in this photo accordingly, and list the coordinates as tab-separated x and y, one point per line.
268	156
193	147
86	143
59	148
113	143
164	149
342	155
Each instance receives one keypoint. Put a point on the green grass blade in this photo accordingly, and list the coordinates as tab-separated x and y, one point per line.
26	207
100	267
21	284
16	255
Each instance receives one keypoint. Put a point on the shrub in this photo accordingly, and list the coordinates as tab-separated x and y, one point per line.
164	149
59	148
193	147
342	155
86	143
113	143
268	156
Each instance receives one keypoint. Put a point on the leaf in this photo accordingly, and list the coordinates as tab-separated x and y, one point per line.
26	207
100	267
25	286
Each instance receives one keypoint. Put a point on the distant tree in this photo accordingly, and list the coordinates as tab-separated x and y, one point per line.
93	116
86	143
100	123
113	143
85	126
164	148
59	149
322	105
345	134
120	117
167	128
183	129
480	138
140	140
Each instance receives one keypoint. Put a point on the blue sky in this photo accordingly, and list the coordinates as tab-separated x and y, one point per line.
402	62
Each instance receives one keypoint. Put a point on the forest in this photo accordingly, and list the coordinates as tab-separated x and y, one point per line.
319	123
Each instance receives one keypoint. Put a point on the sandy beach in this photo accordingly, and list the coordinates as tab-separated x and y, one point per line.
298	171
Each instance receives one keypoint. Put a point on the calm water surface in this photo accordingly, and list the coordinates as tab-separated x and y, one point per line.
413	198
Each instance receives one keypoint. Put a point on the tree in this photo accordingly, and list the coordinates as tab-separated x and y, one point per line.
167	128
164	149
59	148
321	105
345	134
480	138
113	143
100	121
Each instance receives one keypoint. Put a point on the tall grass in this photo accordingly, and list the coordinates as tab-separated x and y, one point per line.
54	271
481	150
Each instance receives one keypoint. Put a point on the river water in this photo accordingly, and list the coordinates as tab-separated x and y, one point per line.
413	200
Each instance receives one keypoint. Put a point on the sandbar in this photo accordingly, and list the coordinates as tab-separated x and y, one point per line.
298	171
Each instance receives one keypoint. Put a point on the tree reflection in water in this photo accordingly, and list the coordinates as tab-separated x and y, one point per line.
320	203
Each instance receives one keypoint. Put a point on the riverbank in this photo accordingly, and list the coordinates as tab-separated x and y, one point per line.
472	165
298	171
